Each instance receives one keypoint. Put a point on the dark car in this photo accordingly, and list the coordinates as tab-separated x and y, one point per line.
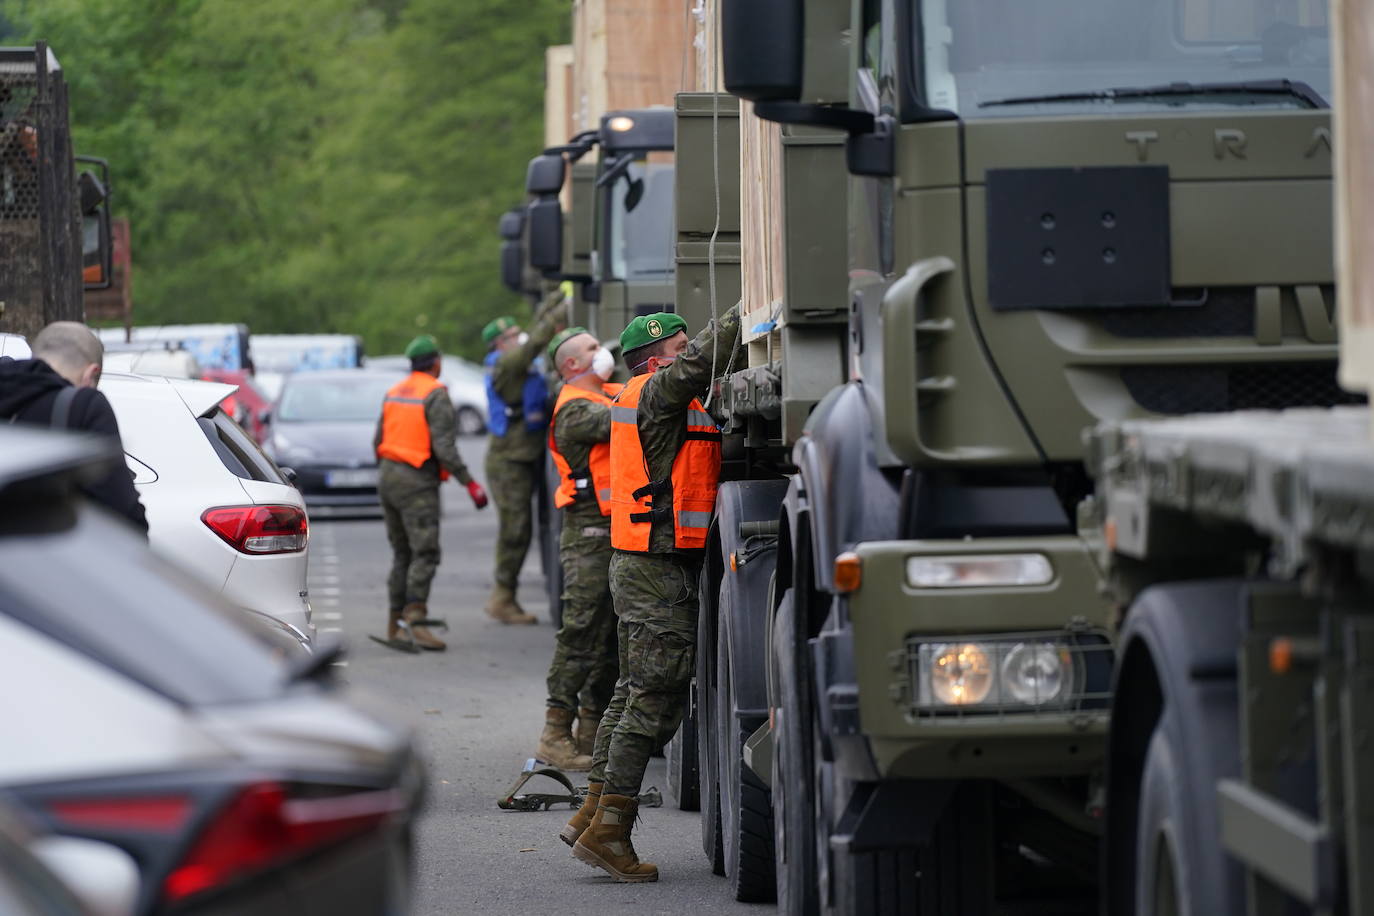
322	428
145	715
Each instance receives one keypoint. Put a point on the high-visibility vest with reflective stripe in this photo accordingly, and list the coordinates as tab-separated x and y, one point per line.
688	497
586	483
405	431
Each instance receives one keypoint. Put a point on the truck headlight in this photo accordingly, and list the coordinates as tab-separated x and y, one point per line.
1036	672
982	570
960	673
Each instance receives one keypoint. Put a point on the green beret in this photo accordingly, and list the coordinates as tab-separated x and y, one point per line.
424	345
561	338
496	327
646	329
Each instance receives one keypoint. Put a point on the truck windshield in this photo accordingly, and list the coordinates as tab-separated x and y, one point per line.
1128	56
641	240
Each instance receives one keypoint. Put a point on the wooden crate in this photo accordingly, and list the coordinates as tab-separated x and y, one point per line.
558	95
1354	137
629	54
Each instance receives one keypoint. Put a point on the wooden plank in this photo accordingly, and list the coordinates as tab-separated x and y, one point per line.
1353	38
629	54
558	95
761	244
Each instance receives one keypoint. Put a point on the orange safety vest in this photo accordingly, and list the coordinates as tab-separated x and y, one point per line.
688	497
405	431
594	481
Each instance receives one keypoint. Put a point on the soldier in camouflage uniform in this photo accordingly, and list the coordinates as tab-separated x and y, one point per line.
584	665
655	590
416	450
518	421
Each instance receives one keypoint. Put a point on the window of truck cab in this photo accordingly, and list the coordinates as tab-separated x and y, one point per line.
640	241
974	54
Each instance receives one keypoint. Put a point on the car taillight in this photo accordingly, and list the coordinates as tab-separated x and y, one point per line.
156	813
262	826
259	529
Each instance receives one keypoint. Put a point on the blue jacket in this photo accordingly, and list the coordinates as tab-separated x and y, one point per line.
535	401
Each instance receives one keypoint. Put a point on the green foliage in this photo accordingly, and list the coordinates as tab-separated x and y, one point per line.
310	165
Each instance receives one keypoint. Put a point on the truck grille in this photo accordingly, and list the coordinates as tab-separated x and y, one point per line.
1214	389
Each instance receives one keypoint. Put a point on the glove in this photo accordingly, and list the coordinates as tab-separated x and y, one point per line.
479	495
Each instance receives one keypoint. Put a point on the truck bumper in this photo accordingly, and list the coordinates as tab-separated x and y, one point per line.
876	695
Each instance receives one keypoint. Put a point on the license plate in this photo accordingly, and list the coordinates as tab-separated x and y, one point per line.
364	477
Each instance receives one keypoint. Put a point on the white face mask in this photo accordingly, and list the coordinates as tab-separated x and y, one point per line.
603	363
522	339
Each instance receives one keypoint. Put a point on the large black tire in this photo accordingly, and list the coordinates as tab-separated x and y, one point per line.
682	760
1180	865
794	812
746	814
708	779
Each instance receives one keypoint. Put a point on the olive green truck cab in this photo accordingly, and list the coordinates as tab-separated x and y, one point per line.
1004	224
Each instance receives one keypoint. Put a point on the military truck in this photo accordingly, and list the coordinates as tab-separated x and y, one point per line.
55	238
1003	224
613	243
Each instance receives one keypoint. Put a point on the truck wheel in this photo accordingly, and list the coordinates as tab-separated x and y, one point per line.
794	816
746	814
1178	864
682	760
708	779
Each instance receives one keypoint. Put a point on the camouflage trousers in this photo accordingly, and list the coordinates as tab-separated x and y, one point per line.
513	485
410	505
656	603
585	661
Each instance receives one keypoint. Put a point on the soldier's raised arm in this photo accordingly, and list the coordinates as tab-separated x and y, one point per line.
672	388
508	375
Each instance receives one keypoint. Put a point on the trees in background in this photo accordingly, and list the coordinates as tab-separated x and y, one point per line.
309	165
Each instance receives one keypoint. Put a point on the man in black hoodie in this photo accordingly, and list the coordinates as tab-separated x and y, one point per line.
57	389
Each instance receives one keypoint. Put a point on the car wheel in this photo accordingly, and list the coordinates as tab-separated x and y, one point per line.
470	422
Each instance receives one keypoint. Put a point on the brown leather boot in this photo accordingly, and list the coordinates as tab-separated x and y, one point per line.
502	606
606	841
583	818
414	612
556	745
393	625
587	722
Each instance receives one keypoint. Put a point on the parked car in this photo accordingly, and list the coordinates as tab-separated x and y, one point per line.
322	428
172	363
250	406
466	383
217	506
15	346
145	715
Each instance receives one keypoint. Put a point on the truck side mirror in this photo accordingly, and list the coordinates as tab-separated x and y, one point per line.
545	217
545	174
97	238
512	224
761	48
512	265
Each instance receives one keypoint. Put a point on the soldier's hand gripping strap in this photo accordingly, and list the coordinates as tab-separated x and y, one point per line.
583	490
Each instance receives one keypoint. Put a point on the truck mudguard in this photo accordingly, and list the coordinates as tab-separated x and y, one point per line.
851	499
739	502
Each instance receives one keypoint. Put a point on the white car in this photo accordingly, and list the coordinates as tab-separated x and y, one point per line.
217	506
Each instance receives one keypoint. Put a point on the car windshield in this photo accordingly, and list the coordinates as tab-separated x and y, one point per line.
334	399
978	54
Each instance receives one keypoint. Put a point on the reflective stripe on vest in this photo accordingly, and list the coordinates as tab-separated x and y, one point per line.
593	482
405	431
688	497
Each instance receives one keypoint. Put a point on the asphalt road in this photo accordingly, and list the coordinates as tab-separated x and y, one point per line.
477	710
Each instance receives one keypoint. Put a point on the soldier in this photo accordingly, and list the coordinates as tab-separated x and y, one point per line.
584	660
665	465
416	451
517	400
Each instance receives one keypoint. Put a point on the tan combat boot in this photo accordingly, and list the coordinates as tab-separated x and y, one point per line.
606	841
587	722
414	612
556	745
583	818
502	606
393	625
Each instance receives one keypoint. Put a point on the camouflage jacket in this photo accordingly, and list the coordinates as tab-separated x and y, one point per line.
664	399
580	424
443	445
508	377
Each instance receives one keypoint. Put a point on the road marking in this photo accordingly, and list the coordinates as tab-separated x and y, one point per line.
329	558
329	615
322	581
338	664
331	629
330	591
